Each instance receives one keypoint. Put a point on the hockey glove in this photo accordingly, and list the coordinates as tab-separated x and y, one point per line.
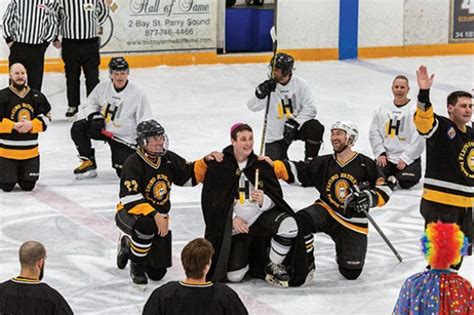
96	124
265	88
358	201
291	130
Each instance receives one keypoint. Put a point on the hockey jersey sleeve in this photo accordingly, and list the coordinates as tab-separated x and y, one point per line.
425	118
377	181
298	173
131	195
144	110
186	173
415	149
255	104
102	11
376	136
92	103
308	110
43	117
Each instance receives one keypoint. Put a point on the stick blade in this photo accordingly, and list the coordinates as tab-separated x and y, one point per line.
273	34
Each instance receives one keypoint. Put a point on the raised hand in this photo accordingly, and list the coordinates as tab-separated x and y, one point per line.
425	81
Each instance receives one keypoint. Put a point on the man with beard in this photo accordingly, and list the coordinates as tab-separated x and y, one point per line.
348	182
24	112
253	230
26	294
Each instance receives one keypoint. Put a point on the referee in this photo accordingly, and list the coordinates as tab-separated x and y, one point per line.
28	28
79	21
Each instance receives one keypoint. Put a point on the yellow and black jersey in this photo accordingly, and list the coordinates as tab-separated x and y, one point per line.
449	175
22	295
33	106
176	298
333	180
145	185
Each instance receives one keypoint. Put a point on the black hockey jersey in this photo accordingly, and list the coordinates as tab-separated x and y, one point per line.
177	298
333	180
28	296
145	185
33	106
449	175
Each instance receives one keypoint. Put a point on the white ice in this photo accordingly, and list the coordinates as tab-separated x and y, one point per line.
197	105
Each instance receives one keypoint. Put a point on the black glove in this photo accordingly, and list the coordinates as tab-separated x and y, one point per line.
265	88
96	124
291	130
357	201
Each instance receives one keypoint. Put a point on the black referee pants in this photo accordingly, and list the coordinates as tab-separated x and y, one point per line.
32	57
77	54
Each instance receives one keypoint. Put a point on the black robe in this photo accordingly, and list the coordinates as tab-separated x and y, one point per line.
218	195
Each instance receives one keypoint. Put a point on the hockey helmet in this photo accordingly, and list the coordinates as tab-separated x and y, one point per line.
284	62
118	64
150	128
352	132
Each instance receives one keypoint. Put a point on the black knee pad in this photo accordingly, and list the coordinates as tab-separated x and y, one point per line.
78	127
7	187
312	130
350	274
27	185
145	225
155	274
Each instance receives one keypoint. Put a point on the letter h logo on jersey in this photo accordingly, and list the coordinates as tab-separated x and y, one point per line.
285	107
110	112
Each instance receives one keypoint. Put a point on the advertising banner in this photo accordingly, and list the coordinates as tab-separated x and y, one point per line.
160	25
462	21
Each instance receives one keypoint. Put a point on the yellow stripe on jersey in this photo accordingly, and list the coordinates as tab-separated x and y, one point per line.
279	110
348	225
142	208
6	125
280	170
424	120
37	126
19	154
448	199
200	169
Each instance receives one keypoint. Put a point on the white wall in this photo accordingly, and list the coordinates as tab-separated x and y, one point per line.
426	22
307	23
380	23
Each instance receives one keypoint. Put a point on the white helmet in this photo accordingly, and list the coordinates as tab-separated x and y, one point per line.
352	133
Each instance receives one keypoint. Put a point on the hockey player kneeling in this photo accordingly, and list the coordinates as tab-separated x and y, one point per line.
142	212
253	230
339	211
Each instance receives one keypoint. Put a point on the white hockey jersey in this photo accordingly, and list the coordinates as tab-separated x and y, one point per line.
122	110
393	131
293	100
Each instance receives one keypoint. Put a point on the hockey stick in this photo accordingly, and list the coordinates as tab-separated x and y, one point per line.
382	234
113	137
265	120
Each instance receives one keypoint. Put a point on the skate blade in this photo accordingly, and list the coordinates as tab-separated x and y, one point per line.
270	279
72	118
140	287
86	175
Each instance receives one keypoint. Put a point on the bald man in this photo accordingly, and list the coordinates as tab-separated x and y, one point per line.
26	294
24	113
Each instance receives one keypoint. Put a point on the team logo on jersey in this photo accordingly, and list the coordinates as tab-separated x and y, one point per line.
21	112
158	189
337	188
466	159
451	133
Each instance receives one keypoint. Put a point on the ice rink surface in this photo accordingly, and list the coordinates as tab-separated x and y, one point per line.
197	105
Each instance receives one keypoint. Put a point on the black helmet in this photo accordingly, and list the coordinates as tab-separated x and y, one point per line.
284	62
118	64
150	128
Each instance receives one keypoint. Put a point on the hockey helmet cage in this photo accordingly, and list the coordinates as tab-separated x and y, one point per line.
352	132
150	128
118	64
284	62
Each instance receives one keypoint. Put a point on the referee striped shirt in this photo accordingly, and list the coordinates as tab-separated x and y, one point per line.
30	21
80	19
